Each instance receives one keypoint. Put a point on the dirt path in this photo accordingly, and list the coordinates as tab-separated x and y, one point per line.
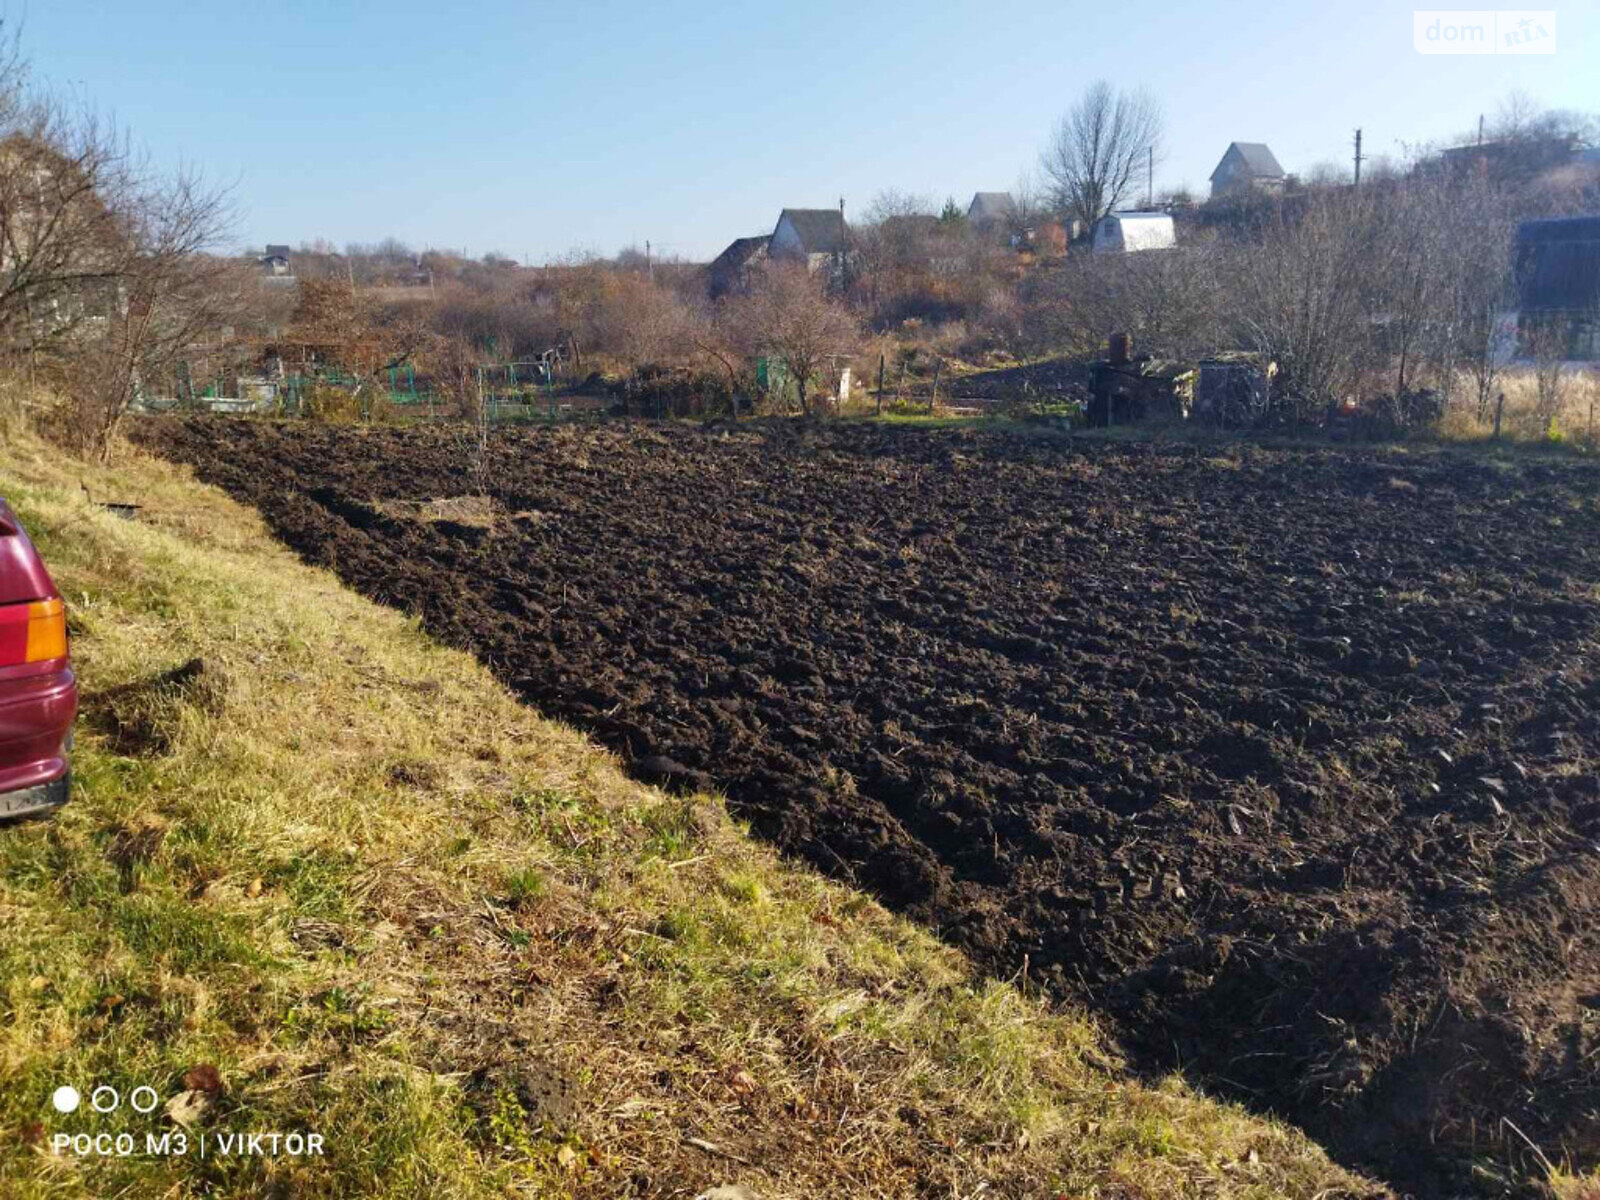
1286	761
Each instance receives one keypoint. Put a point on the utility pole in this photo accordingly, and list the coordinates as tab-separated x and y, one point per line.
1358	158
1149	177
841	259
649	267
1480	129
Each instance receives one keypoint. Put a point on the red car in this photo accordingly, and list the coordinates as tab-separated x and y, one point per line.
38	693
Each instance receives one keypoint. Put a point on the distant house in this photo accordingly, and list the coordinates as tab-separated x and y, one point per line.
1558	284
817	237
1513	158
729	272
1127	232
276	261
1246	168
52	214
991	210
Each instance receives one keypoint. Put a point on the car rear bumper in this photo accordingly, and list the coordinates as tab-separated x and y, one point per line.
37	800
36	714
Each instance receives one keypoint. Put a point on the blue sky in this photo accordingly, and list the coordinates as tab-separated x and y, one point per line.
539	129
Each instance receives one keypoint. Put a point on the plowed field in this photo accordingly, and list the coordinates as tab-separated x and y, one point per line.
1286	761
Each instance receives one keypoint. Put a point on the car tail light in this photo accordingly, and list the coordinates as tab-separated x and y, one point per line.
31	633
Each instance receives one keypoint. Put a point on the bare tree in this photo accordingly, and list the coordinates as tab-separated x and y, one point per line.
1479	236
1301	297
646	323
721	335
1171	301
1099	148
1547	342
1030	208
891	203
103	270
339	325
792	319
1516	116
171	299
1410	290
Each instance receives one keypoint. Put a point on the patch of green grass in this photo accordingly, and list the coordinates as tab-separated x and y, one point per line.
525	887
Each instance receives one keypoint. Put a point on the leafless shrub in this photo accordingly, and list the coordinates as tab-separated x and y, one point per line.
792	319
338	324
1481	231
170	296
1171	301
103	272
1547	342
1098	149
645	323
724	337
1302	296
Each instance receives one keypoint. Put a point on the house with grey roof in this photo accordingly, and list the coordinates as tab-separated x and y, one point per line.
730	271
1247	168
817	237
990	210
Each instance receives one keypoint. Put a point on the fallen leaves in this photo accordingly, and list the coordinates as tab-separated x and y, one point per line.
203	1078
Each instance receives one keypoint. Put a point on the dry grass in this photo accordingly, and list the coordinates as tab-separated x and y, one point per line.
389	904
1577	421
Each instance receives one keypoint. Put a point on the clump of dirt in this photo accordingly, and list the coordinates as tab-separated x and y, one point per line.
1292	771
477	511
413	773
531	1089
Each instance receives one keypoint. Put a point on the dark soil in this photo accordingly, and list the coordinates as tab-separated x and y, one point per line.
1288	761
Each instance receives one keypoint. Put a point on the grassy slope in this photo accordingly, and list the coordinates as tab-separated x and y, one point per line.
392	905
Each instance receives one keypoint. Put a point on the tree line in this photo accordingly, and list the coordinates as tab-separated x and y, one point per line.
113	284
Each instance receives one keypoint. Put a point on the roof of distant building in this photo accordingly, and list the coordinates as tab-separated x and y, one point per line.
1258	160
990	206
740	251
821	230
1558	263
